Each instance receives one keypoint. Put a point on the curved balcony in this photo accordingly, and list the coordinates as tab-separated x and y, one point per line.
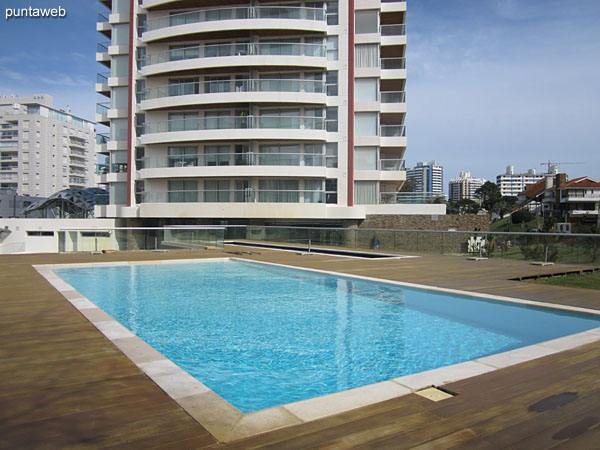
245	18
234	196
273	54
235	91
235	127
306	165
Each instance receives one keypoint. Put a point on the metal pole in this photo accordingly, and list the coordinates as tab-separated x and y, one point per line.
309	246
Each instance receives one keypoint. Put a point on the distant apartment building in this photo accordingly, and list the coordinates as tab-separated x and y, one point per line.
13	204
254	110
427	176
43	149
464	187
512	184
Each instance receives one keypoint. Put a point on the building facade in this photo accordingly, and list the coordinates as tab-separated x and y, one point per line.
253	111
464	187
512	184
427	176
42	149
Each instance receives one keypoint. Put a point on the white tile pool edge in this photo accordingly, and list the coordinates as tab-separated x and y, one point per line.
227	423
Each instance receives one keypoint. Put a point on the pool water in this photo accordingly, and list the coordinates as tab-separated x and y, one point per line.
261	335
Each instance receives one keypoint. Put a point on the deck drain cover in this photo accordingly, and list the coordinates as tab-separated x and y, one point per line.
433	394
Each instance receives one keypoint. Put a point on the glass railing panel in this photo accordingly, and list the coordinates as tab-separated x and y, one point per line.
391	164
102	47
393	131
393	63
240	13
393	97
393	30
102	17
102	108
102	77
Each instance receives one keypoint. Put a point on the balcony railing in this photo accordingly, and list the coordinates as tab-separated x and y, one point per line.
237	49
409	197
393	97
101	169
393	63
102	47
241	13
391	164
102	17
80	153
102	108
102	77
249	85
234	196
392	30
392	131
76	180
102	138
582	196
236	122
234	159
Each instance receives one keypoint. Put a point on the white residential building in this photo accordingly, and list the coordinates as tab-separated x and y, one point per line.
250	110
512	184
428	177
464	187
43	149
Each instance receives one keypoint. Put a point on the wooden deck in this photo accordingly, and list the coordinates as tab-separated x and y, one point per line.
64	385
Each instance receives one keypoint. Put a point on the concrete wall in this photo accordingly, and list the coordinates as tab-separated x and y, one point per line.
22	235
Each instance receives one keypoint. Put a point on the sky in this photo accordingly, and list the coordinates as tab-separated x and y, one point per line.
490	83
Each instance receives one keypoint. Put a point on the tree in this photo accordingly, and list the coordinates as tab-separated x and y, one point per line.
506	204
464	206
490	196
409	185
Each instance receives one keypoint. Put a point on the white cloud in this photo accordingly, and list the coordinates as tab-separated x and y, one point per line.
57	79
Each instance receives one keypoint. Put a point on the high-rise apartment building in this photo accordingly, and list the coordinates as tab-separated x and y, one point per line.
254	110
43	149
511	183
464	187
428	177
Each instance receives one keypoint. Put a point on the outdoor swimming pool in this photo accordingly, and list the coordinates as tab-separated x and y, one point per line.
261	335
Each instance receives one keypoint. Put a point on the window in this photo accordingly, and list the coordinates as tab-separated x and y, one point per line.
183	156
140	90
280	82
331	119
279	155
119	66
365	158
120	34
365	89
331	151
278	191
183	121
217	155
40	233
331	190
217	120
275	118
366	22
314	47
181	52
332	48
313	191
366	55
141	24
313	154
365	124
183	191
140	57
332	12
184	86
216	84
216	191
365	192
181	18
331	83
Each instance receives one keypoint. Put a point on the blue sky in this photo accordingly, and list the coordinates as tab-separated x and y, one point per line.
490	83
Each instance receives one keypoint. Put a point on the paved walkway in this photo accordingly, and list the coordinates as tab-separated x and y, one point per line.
65	386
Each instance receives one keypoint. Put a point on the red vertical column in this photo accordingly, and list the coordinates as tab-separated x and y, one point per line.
130	115
350	102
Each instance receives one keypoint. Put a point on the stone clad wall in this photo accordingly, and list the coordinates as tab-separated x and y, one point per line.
416	233
467	222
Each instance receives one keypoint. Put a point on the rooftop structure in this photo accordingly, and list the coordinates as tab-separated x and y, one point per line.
253	111
43	149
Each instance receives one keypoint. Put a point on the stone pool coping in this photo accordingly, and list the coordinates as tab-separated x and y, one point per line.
227	423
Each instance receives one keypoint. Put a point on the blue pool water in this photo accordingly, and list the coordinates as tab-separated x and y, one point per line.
261	335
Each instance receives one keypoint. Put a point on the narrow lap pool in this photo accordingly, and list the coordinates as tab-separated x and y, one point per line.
261	335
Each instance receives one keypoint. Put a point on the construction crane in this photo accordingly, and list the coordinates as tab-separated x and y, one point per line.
556	164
